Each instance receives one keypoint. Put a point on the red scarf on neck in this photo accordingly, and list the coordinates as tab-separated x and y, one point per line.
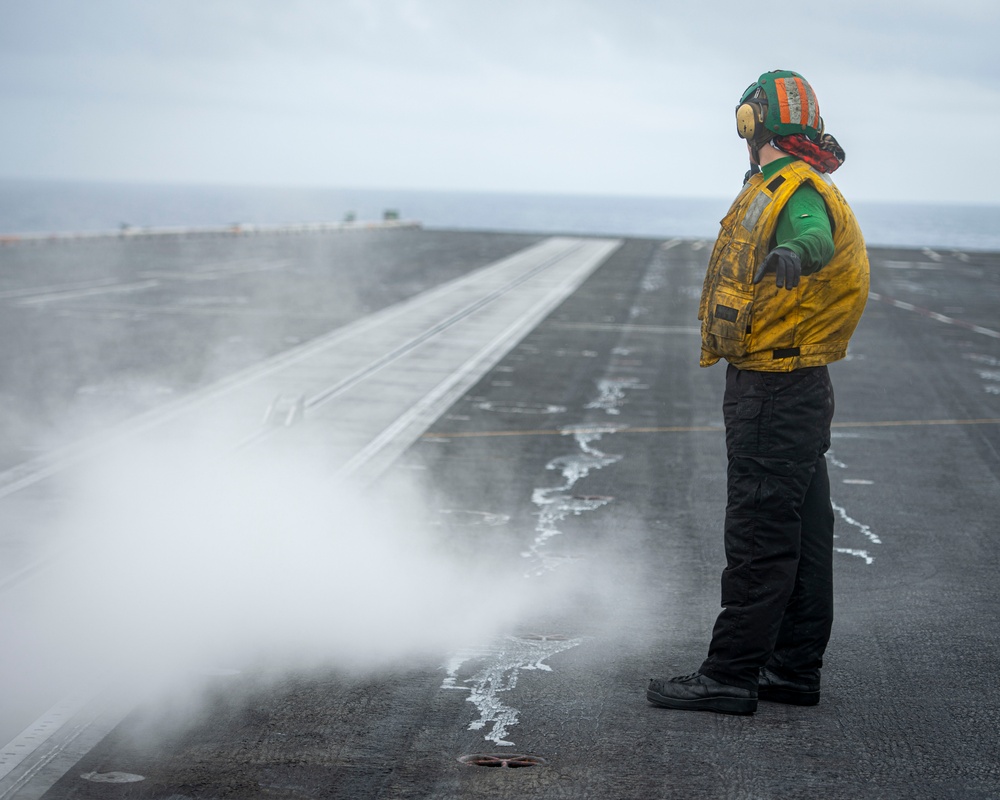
826	155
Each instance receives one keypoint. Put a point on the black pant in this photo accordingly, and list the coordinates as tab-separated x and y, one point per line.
777	588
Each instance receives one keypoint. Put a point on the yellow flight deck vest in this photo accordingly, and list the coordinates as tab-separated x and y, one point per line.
759	326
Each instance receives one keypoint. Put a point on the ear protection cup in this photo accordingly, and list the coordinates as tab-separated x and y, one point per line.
750	119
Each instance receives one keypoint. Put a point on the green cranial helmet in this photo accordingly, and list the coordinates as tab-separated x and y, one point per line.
780	103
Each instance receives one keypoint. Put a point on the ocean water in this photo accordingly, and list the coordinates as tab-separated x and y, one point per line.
65	207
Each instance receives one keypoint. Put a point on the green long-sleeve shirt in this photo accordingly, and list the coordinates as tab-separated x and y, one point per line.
804	223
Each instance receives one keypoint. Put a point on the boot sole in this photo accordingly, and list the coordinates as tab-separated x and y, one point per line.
792	697
720	705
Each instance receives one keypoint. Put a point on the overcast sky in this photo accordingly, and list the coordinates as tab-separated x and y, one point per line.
554	96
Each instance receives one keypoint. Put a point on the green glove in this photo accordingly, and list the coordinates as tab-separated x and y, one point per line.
786	266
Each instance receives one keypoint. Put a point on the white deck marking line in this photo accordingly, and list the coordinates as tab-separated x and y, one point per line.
192	311
926	312
70	291
32	291
32	737
918	265
626	327
218	272
116	288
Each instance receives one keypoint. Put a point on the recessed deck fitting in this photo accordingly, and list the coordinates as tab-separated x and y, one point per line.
503	761
111	777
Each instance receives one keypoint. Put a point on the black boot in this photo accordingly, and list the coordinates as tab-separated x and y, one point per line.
778	690
697	692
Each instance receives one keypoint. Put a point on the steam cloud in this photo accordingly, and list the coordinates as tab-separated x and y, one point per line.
174	561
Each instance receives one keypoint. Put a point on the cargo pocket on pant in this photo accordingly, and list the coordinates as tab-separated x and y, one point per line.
749	407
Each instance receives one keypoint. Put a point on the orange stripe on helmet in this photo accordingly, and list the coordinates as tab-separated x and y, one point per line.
804	93
782	101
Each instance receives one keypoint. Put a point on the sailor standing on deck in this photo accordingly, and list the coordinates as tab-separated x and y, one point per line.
786	285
